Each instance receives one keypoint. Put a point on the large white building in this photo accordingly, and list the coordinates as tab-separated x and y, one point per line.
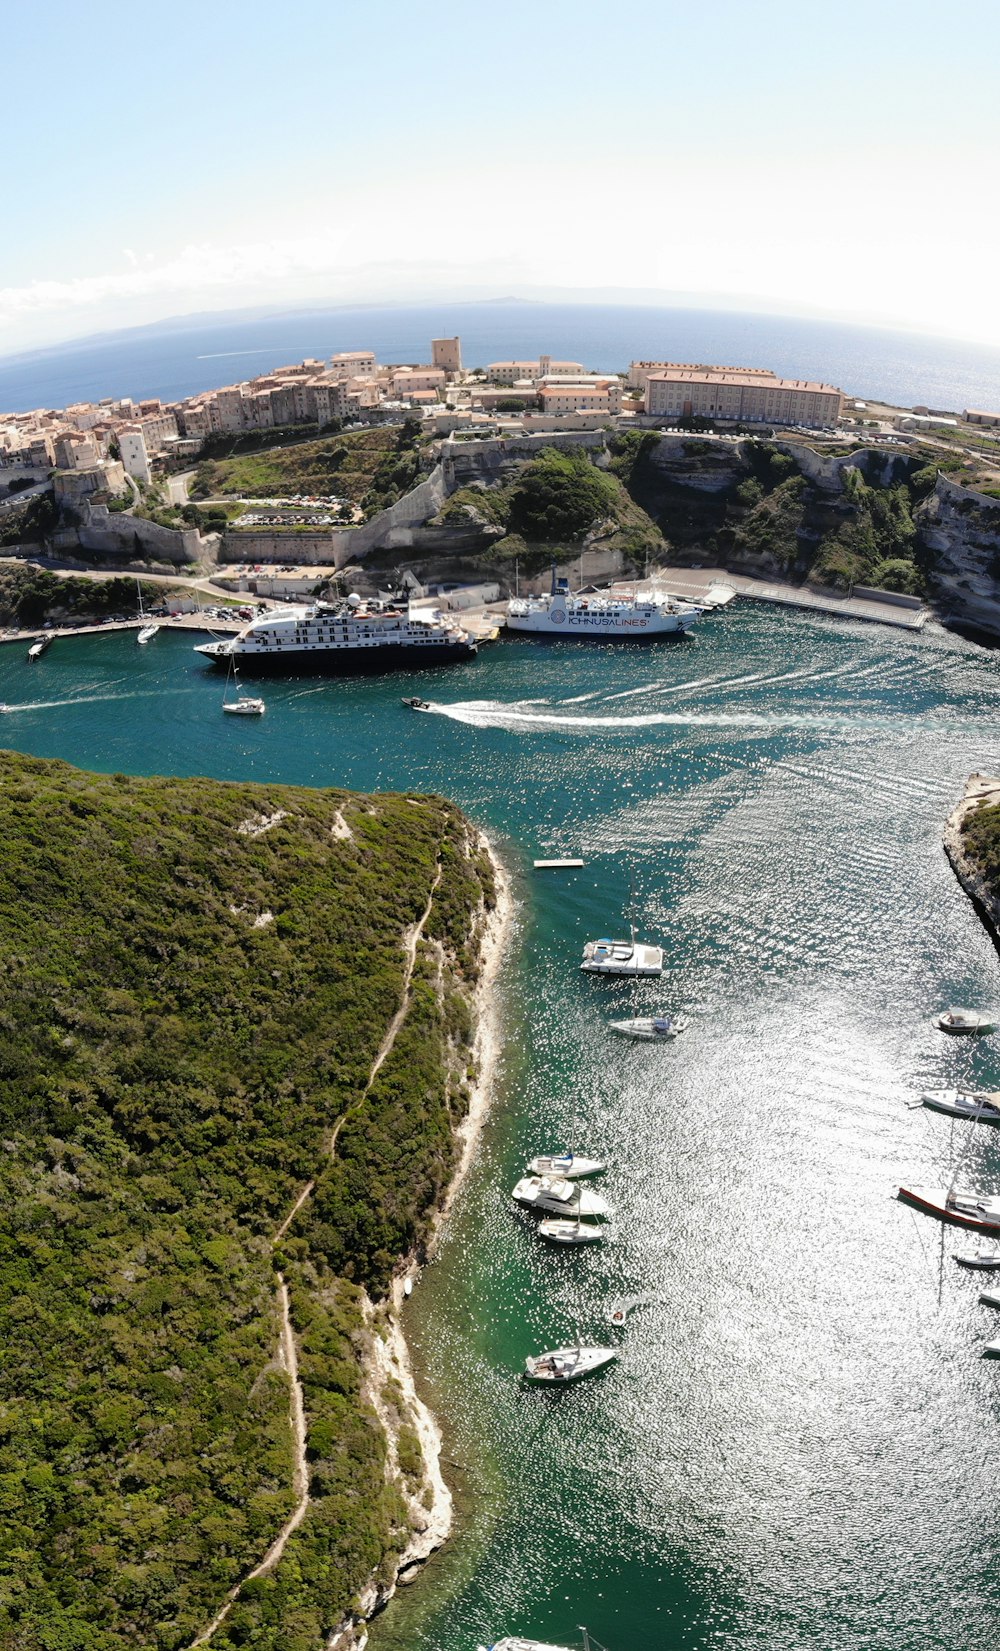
132	446
741	397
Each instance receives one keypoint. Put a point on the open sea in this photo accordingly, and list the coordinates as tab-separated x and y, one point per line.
177	359
800	1444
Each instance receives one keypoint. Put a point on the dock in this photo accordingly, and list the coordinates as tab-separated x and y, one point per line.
555	865
879	607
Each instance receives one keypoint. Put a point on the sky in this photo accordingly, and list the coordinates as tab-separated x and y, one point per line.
784	155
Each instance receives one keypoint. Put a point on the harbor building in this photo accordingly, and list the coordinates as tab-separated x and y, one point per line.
741	397
446	353
974	416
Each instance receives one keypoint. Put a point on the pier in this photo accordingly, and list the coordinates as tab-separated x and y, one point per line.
880	607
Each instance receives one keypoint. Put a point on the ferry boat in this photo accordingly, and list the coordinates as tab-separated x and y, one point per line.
339	638
599	615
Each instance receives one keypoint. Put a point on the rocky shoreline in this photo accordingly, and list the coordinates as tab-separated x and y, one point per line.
428	1498
981	790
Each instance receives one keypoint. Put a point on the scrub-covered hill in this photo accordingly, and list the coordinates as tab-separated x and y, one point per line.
195	981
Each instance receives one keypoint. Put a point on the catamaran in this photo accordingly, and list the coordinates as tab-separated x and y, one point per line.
632	958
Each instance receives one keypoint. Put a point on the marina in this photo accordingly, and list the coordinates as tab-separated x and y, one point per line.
775	790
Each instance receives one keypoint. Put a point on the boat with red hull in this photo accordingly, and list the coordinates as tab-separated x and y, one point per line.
978	1210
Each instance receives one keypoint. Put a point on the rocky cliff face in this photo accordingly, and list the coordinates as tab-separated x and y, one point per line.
960	530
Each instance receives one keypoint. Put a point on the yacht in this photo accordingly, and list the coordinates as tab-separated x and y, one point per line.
979	1105
553	1195
979	1211
650	1027
990	1298
244	705
965	1020
572	1165
339	638
622	957
568	1364
37	649
147	629
598	615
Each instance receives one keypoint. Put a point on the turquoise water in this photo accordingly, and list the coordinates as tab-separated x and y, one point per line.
799	1445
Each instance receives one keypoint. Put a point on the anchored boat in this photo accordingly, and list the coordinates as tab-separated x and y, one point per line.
632	958
980	1106
958	1021
979	1211
598	616
568	1364
553	1195
652	1028
573	1165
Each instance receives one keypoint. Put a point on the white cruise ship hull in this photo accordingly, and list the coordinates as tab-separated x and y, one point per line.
320	659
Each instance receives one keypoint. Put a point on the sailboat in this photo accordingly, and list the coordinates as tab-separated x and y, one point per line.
244	705
563	1230
147	630
515	1642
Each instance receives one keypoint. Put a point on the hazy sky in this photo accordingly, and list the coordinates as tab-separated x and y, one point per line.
207	154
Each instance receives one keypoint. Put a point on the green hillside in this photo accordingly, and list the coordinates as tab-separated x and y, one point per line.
190	1004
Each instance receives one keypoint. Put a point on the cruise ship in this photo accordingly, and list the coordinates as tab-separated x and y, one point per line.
560	612
340	638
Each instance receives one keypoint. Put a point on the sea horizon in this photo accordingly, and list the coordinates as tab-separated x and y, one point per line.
185	355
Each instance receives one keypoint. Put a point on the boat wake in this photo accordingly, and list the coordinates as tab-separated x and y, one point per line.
79	699
478	713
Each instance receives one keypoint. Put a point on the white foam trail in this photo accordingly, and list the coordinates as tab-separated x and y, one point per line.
81	699
629	693
491	714
578	699
221	355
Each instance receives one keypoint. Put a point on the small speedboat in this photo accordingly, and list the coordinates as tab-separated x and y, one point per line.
38	648
245	706
559	1230
985	1260
554	1195
965	1020
146	634
631	958
418	704
981	1106
568	1364
990	1298
652	1028
573	1165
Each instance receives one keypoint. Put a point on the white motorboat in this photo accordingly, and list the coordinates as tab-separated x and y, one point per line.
990	1298
37	649
984	1260
651	1028
992	1350
554	1195
632	958
965	1020
978	1210
573	1165
559	1230
980	1106
146	634
568	1364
